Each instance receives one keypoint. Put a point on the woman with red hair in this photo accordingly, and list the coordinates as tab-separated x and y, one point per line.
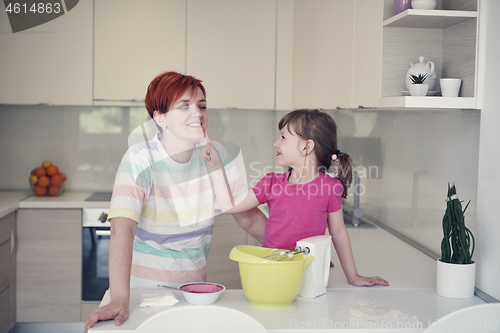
162	208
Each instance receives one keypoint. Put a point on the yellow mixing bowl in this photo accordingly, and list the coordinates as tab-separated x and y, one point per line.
266	282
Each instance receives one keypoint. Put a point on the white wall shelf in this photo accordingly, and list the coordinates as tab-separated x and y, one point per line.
429	19
429	102
446	36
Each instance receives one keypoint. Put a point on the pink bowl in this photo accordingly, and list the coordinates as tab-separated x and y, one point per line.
202	287
201	293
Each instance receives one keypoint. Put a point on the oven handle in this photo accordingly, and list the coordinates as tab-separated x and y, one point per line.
103	232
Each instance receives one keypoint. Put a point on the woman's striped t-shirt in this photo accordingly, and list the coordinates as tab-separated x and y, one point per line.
173	204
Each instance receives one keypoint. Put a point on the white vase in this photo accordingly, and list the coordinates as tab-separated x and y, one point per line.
455	280
418	89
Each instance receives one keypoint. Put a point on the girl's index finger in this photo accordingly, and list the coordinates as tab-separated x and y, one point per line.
207	139
209	149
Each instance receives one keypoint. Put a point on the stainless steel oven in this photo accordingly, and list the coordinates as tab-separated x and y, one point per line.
95	251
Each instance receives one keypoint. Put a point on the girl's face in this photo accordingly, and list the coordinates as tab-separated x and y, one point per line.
187	118
289	148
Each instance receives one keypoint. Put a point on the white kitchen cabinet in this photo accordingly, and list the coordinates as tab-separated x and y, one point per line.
134	41
322	53
7	273
231	47
367	53
50	63
337	53
49	265
446	36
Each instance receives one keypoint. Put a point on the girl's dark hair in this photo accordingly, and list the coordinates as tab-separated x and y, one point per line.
320	127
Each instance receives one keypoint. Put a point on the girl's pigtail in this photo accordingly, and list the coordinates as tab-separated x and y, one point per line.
345	172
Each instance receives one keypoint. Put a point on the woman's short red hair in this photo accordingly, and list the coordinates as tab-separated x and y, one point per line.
167	88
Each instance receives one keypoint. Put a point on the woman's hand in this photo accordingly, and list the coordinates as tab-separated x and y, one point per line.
359	280
117	310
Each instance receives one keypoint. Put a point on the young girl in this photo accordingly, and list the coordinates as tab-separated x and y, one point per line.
301	202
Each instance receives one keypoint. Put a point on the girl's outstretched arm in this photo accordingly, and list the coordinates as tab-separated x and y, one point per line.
227	203
342	243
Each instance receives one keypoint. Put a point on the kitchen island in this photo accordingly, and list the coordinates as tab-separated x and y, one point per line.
411	274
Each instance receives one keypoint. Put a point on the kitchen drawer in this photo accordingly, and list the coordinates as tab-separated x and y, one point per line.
49	265
4	229
5	311
4	265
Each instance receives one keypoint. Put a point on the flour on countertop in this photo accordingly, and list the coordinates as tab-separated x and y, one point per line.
380	314
165	298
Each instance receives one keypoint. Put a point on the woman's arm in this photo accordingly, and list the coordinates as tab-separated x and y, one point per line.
120	262
342	243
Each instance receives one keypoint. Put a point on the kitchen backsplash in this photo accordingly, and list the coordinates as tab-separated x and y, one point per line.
405	158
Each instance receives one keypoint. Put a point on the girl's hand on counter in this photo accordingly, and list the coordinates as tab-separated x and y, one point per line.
359	280
115	310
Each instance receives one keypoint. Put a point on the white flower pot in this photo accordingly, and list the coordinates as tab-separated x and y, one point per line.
455	280
418	89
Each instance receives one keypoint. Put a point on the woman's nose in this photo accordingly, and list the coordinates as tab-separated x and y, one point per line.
196	112
275	145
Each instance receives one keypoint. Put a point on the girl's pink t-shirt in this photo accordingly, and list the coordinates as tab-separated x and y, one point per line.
297	211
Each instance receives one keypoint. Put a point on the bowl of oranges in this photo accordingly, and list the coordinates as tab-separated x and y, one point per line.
47	180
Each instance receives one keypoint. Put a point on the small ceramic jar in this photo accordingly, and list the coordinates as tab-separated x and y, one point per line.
423	4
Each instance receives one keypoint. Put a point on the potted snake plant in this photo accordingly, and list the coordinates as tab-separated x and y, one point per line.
418	86
456	271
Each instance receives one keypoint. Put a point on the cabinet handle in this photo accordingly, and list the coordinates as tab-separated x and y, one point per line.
12	241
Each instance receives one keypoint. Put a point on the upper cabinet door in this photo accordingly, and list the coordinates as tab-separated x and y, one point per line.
50	63
337	53
134	42
367	56
323	53
231	47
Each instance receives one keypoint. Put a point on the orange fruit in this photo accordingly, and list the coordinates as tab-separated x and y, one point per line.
52	170
39	190
43	181
33	179
46	164
39	172
57	180
63	175
54	190
33	171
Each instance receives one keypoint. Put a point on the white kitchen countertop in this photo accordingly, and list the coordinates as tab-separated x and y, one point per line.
68	199
9	201
329	312
411	274
379	253
12	200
